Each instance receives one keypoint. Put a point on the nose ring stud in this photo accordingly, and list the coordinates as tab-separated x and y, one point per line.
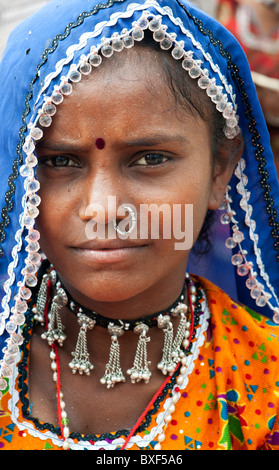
132	222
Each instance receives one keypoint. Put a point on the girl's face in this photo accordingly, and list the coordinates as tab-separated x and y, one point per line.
120	136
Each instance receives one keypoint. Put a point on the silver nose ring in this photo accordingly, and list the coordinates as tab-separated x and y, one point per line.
132	222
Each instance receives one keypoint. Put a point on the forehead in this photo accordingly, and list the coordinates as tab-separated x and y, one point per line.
137	68
132	85
123	102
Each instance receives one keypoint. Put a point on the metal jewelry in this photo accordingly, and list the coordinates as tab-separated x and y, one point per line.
132	225
113	372
173	349
140	370
39	309
81	362
55	330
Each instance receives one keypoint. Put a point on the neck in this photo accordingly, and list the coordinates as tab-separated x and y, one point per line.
128	324
131	304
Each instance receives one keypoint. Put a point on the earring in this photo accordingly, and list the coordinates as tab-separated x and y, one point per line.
48	281
125	233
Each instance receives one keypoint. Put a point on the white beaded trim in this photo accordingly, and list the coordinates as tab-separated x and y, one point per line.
131	9
126	39
245	267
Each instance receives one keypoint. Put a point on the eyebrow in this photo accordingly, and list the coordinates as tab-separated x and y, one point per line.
151	141
156	139
57	146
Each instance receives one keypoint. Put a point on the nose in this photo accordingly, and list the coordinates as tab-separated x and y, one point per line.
101	196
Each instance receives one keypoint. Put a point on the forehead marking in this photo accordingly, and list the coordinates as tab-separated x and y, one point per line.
100	143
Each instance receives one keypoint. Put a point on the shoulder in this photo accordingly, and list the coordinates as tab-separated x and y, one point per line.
224	310
240	339
242	348
241	332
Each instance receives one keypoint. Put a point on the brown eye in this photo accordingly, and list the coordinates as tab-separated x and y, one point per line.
58	162
151	159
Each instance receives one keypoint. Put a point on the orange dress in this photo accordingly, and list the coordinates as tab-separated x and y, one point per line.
228	399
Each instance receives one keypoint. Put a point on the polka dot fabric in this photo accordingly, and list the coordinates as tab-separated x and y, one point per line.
231	400
232	396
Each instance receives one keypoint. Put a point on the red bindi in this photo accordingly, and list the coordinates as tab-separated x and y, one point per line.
100	143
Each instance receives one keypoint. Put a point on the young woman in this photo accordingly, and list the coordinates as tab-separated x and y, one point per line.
135	122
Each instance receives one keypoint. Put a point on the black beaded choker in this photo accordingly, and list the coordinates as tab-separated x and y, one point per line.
150	320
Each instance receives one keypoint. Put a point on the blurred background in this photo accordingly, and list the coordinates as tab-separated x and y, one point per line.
13	12
255	23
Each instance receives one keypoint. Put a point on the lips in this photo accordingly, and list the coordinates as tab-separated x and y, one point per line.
107	251
108	244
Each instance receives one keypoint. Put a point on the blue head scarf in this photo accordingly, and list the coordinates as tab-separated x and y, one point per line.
50	51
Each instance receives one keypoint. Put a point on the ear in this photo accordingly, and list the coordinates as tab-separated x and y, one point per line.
224	163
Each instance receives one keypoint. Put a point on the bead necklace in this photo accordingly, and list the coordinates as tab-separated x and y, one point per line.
127	325
180	362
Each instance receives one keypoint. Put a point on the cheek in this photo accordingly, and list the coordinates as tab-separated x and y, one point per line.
54	214
47	223
190	208
174	226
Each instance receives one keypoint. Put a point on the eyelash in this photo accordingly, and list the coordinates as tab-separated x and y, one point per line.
52	161
153	155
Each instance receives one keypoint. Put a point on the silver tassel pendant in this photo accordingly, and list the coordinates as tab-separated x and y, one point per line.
80	362
140	370
55	330
113	373
181	339
39	309
173	347
166	363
